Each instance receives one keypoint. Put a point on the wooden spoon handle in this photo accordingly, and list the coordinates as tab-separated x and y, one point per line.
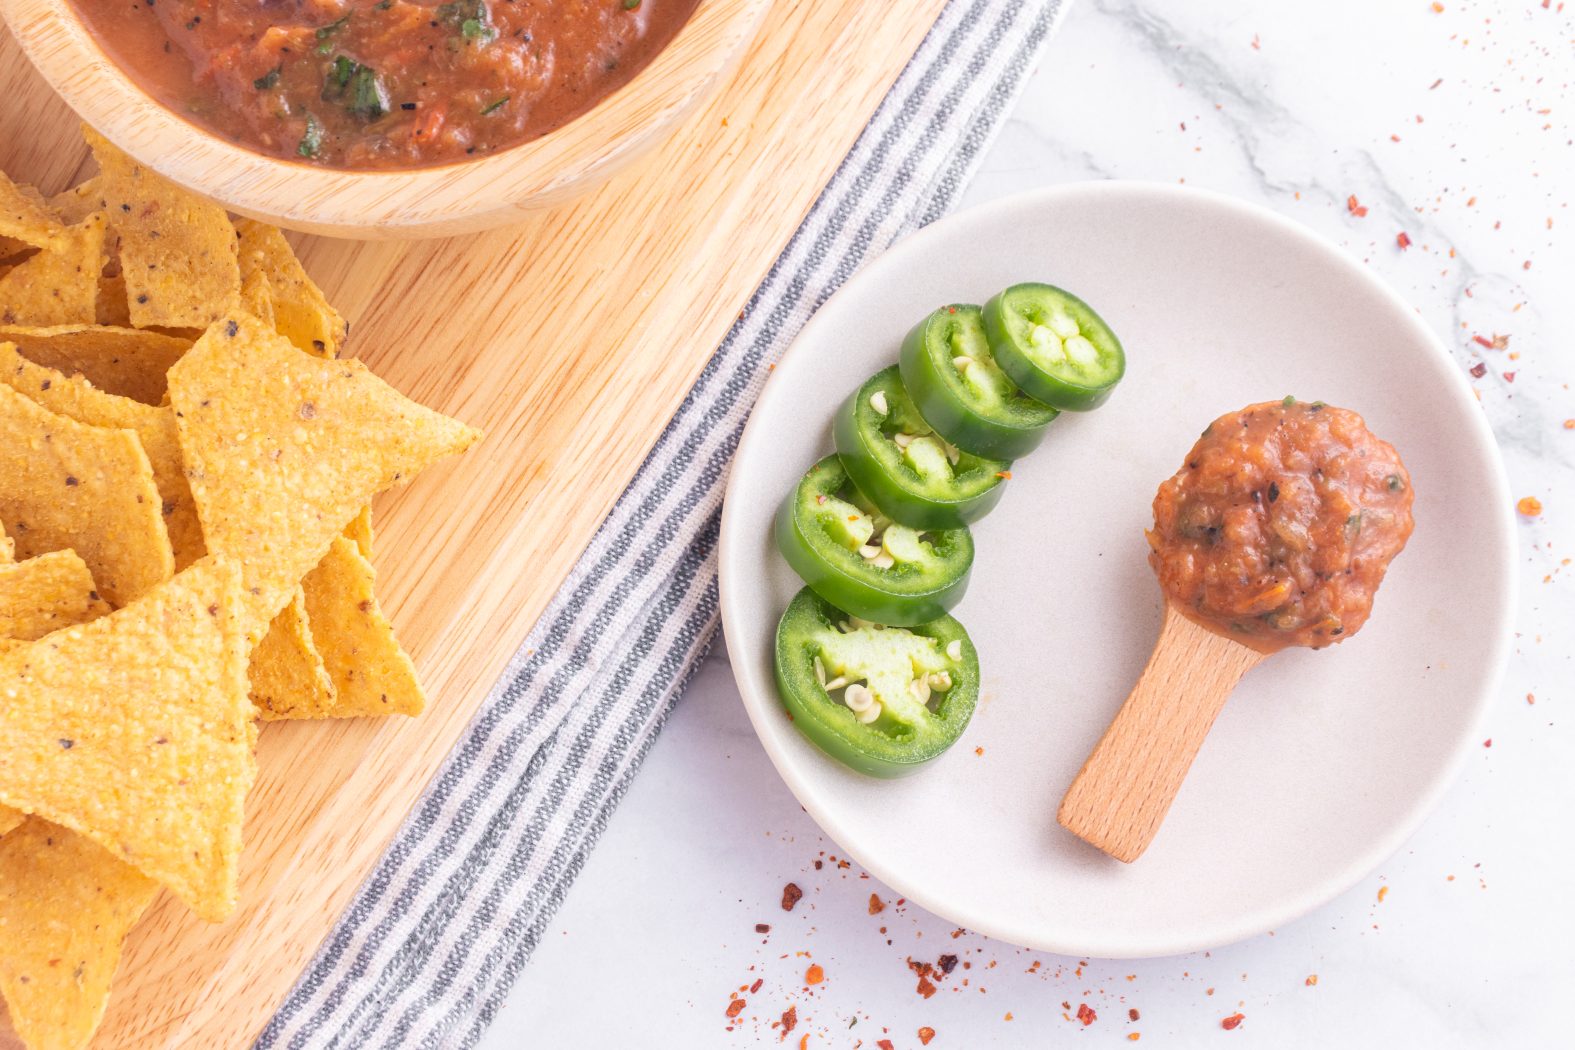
1123	791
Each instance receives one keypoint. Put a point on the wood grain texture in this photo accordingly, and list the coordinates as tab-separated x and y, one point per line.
481	193
1121	795
571	340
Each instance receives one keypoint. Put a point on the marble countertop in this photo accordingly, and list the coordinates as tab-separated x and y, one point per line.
1447	123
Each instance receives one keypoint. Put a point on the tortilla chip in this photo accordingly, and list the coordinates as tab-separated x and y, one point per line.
76	398
360	530
57	285
66	485
257	297
372	675
25	219
38	596
288	679
177	251
112	308
46	593
129	362
135	731
66	905
73	205
301	312
282	449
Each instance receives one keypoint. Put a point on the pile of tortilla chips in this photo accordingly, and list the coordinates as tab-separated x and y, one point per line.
186	469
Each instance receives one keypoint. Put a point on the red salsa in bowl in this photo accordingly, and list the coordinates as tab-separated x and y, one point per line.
382	84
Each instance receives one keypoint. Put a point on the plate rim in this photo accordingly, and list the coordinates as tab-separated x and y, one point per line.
1363	862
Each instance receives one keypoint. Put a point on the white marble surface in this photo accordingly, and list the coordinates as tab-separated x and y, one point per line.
1466	938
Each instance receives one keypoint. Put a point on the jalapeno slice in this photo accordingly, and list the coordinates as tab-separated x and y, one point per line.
911	473
859	560
952	377
882	700
1054	346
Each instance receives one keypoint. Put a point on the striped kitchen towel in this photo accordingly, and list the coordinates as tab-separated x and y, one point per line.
450	916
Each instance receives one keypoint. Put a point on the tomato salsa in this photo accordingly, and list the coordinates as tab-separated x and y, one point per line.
366	84
1279	527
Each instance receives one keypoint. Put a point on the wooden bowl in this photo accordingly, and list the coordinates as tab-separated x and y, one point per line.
383	205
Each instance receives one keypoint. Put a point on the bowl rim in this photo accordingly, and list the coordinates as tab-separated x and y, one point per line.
457	197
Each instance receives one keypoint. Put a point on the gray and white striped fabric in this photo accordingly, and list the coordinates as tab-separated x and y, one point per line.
444	925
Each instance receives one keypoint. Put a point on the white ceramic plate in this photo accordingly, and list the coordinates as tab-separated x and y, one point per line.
1323	762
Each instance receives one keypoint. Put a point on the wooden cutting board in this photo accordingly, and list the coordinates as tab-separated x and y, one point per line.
571	340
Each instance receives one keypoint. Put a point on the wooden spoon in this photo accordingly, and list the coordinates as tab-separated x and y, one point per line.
1124	790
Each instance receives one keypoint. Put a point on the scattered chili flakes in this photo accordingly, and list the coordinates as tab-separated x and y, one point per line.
884	1044
803	1041
876	904
1438	8
815	974
1403	239
1311	981
1086	1014
1569	424
1008	1015
791	895
947	963
736	1007
925	1035
1530	506
762	927
1509	377
926	988
756	986
1479	369
1230	1023
789	1020
1133	1015
1383	891
1355	207
1488	742
1004	475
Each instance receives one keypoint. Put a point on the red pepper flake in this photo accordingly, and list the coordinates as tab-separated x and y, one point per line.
980	751
1569	424
876	904
1230	1023
1005	475
1133	1037
1438	8
1435	84
789	1020
1383	891
756	986
1133	1015
1530	506
736	1007
1479	369
1403	239
814	975
762	927
1509	377
1482	341
946	963
884	1044
1086	1014
1255	44
791	895
1487	743
1008	1015
1526	265
1311	981
925	988
803	1041
925	1035
1355	207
